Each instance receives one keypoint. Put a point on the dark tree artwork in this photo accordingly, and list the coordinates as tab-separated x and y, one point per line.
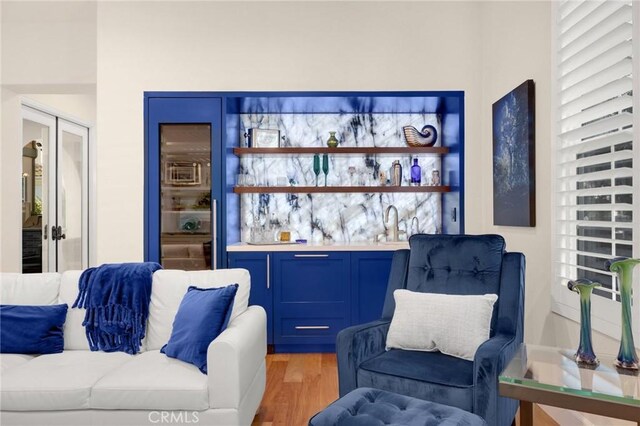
514	157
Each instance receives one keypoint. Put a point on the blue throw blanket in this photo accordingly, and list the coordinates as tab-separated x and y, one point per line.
116	297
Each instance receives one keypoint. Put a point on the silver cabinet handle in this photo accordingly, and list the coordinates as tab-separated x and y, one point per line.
310	255
312	327
214	204
268	273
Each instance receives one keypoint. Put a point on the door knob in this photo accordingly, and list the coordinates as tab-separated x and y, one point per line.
56	233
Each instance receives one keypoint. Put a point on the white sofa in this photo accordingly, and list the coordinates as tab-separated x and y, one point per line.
80	387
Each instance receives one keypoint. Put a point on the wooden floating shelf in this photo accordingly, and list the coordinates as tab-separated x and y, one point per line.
335	189
346	150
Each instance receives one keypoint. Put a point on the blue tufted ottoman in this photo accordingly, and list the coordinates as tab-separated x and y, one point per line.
375	407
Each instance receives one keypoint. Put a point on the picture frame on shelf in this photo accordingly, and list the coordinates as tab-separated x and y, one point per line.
263	138
183	173
514	180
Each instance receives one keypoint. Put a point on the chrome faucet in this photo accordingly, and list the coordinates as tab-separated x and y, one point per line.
417	221
395	231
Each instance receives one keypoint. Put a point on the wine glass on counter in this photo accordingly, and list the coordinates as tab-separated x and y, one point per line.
325	167
316	166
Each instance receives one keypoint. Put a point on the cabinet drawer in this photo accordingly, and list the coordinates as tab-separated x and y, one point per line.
312	277
311	300
315	310
312	327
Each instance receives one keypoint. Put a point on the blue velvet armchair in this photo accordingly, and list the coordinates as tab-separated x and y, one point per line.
451	264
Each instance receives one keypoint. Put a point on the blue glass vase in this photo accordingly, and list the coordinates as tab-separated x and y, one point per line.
623	267
585	355
416	173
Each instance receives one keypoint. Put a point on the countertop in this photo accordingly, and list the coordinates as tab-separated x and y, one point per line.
362	246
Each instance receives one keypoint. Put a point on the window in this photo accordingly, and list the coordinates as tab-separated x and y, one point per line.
596	205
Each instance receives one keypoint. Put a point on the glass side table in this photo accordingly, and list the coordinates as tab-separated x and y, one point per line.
550	376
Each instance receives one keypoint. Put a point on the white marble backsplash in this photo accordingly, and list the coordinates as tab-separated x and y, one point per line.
362	130
335	217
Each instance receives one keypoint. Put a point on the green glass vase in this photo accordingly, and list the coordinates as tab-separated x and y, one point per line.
332	142
585	355
623	267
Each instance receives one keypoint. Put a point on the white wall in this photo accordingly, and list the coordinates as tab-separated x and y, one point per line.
80	106
48	55
514	50
516	46
263	46
1	150
10	172
48	43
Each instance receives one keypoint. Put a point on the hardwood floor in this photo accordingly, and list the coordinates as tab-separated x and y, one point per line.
540	417
300	385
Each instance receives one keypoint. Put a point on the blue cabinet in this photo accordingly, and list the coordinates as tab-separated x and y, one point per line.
369	278
310	296
312	300
259	266
183	194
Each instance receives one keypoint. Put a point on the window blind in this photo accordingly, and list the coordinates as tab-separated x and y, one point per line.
594	151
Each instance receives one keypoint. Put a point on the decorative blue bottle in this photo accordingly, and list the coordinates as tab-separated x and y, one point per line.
416	173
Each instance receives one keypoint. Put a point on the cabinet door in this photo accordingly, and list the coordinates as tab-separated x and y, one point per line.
311	300
259	267
183	181
369	278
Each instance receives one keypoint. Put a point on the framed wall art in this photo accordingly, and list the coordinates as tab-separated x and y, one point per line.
514	183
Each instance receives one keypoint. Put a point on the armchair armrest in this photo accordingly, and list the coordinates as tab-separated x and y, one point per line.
490	359
356	344
235	357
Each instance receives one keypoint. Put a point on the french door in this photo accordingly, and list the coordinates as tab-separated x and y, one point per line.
55	194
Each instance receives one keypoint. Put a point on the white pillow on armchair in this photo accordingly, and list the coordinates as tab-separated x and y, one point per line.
455	325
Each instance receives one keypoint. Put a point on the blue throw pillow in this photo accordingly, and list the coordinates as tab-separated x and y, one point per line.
203	314
33	330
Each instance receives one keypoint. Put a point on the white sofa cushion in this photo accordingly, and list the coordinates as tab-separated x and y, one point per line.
56	382
169	287
8	361
152	381
75	337
29	289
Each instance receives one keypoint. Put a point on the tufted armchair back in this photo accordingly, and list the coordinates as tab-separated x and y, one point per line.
458	264
450	264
